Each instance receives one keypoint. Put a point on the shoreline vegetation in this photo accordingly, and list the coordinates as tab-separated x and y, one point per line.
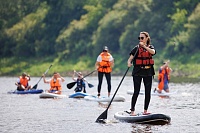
182	73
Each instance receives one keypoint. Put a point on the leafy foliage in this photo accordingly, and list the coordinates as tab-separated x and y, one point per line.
67	30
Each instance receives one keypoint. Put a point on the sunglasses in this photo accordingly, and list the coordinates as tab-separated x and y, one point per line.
140	38
105	51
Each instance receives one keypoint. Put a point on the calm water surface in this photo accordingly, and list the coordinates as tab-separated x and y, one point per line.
29	113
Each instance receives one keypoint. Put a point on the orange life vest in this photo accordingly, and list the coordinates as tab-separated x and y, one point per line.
105	65
23	81
144	58
161	76
55	84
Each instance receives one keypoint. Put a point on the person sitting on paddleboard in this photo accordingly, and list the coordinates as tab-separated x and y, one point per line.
79	81
163	77
22	83
55	83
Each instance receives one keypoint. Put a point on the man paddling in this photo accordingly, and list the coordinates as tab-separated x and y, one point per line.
22	83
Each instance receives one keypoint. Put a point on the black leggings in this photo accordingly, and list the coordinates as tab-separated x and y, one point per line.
147	85
108	79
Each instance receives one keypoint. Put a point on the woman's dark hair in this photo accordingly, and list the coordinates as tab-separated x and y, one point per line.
147	36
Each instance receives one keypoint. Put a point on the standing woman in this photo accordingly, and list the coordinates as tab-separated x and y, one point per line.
104	65
141	56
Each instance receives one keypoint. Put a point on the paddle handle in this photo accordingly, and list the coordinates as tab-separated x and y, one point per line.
89	74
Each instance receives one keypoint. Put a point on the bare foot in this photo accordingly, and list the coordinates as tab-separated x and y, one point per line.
132	113
146	113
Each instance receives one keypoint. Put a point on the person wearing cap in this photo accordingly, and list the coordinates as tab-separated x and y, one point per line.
80	82
22	83
104	65
163	77
141	57
55	83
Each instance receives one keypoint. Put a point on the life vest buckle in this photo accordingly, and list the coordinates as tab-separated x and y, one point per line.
145	67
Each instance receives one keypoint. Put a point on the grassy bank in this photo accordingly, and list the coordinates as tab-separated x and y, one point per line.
36	67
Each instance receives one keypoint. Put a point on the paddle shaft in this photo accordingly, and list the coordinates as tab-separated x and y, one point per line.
35	86
90	85
118	88
45	73
172	50
85	75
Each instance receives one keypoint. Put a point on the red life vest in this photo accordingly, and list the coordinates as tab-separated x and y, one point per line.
144	58
161	76
105	65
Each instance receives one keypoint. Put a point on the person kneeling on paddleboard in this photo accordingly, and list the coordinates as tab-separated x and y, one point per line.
55	83
80	81
163	77
22	83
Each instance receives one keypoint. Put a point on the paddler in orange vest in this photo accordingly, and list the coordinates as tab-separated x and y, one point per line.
55	83
104	64
22	83
164	77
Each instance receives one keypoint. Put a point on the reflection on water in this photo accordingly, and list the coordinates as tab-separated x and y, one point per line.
141	128
28	113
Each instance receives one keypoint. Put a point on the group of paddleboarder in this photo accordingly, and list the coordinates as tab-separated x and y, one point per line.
141	57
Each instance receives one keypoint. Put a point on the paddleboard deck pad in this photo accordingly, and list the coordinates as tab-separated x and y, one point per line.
155	119
33	91
104	99
78	95
51	95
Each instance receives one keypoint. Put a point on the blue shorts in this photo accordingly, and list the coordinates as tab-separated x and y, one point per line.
165	86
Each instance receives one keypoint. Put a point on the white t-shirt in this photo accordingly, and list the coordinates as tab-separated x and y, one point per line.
99	58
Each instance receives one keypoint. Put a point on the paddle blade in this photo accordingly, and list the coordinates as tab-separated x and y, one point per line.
34	87
90	85
102	117
70	85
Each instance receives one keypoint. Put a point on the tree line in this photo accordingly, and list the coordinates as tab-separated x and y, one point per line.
69	29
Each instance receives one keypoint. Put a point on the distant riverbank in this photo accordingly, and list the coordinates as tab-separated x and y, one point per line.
36	67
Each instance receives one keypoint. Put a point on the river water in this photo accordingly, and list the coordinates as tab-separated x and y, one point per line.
28	113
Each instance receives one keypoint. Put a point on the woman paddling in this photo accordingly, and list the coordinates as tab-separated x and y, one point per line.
143	69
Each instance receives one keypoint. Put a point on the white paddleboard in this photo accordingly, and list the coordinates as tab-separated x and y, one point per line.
163	93
51	95
104	99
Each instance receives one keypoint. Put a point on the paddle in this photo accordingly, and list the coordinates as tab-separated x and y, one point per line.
103	116
90	85
35	86
70	85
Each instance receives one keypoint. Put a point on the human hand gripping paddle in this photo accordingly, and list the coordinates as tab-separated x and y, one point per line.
90	85
103	116
35	86
70	85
